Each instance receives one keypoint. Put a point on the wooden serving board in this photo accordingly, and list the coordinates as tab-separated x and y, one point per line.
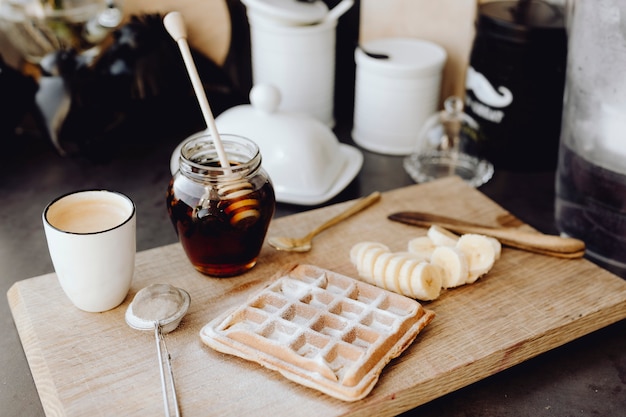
87	364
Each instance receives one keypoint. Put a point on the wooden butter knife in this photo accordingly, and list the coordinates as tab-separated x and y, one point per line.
536	242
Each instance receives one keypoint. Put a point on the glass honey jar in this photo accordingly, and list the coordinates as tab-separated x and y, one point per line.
221	214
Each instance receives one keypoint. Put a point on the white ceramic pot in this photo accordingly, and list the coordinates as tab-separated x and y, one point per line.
294	50
394	96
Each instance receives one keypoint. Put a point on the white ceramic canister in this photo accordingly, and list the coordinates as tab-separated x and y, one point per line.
296	56
394	96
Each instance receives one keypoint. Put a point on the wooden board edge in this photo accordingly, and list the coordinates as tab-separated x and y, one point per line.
48	393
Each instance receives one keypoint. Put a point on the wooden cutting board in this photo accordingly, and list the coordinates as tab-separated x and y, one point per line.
87	364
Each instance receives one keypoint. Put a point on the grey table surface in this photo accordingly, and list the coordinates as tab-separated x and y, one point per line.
586	377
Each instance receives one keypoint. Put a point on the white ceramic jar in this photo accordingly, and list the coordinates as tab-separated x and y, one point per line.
293	48
395	96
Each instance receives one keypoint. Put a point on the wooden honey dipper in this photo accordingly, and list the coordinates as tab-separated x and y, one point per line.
236	192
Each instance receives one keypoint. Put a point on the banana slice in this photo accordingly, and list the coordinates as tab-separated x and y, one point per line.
392	271
367	259
359	248
426	281
380	268
497	246
441	237
411	255
421	246
480	254
454	263
401	282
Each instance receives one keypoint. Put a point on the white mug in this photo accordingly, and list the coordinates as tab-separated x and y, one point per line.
92	242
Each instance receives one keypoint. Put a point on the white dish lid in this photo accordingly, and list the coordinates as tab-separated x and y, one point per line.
302	156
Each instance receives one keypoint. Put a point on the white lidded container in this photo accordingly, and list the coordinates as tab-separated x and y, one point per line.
293	48
394	96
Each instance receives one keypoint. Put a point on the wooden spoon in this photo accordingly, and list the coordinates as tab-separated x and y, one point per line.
303	244
537	242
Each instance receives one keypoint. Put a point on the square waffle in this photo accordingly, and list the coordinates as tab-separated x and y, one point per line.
320	329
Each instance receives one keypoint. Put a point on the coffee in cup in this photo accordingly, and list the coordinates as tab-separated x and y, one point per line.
92	243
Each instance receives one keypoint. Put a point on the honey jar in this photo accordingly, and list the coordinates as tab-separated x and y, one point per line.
221	214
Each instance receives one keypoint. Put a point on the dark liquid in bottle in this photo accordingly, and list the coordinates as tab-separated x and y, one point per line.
217	243
591	205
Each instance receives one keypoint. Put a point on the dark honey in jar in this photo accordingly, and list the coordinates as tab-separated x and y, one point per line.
221	215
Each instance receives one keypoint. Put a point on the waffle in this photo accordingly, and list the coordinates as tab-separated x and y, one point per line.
320	329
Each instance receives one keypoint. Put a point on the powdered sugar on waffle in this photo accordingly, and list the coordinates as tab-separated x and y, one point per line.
321	329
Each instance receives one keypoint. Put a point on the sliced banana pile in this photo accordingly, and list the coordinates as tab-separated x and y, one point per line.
439	260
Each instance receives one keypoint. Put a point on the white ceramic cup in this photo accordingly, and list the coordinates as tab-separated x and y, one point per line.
299	61
92	242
